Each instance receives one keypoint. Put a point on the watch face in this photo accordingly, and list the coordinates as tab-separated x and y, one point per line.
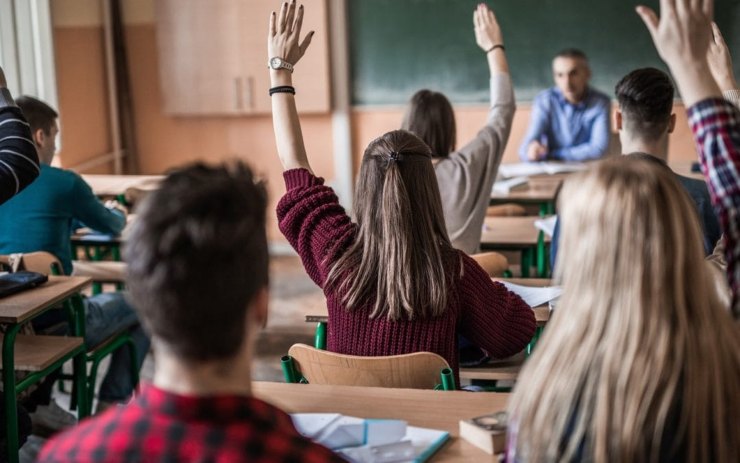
275	62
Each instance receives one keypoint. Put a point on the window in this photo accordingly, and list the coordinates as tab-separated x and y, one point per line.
27	49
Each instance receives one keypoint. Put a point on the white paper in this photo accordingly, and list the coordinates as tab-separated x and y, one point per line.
534	296
525	169
547	225
311	424
505	186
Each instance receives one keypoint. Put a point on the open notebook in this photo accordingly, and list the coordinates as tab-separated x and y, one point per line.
363	440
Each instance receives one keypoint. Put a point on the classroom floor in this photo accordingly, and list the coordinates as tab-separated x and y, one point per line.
292	296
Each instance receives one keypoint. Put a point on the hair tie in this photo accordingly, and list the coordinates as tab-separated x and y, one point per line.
394	156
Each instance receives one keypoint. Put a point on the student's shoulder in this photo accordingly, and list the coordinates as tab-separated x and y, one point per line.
694	186
91	437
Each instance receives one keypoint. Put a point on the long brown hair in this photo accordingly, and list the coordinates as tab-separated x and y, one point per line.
430	117
639	360
397	260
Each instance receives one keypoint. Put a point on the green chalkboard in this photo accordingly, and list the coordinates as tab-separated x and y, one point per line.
400	46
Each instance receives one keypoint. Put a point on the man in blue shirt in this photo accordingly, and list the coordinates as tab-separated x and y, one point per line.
40	218
570	121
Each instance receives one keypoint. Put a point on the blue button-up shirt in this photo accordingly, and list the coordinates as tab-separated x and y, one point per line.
571	132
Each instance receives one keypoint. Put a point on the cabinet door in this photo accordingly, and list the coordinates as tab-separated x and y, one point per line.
198	44
213	57
311	78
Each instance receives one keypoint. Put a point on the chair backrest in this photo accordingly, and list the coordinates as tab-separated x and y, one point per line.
420	370
493	263
40	261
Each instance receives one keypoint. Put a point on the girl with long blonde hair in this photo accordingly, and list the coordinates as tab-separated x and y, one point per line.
393	282
640	362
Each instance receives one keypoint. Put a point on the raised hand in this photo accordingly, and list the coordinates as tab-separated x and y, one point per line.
3	82
285	30
681	36
487	30
720	61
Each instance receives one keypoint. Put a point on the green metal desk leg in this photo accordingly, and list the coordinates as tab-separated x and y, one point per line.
535	338
541	256
9	394
79	363
526	262
319	341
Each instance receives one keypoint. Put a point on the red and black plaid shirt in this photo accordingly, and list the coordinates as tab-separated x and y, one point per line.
716	126
161	426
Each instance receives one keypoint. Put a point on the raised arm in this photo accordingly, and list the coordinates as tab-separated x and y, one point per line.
19	162
682	37
720	63
283	47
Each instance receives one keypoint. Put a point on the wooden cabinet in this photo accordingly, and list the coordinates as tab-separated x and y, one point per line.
213	57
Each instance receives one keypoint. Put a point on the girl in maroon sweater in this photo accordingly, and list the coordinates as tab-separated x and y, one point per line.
392	280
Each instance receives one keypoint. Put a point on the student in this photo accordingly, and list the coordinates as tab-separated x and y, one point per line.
466	176
393	282
643	362
198	275
40	219
684	39
570	121
19	163
645	120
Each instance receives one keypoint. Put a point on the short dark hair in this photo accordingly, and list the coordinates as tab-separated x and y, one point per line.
574	53
38	114
645	98
197	256
430	117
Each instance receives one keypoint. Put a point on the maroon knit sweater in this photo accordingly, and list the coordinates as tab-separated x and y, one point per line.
486	313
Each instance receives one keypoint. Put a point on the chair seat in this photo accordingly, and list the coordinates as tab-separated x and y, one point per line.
36	353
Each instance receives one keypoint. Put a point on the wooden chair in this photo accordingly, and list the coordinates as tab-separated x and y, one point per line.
506	210
420	370
492	262
47	263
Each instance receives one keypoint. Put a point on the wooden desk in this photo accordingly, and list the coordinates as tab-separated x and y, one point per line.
429	409
540	190
39	354
115	185
520	234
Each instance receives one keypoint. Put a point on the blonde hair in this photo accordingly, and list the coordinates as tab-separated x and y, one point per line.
397	262
639	362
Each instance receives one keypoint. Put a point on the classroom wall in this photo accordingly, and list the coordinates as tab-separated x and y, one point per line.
165	141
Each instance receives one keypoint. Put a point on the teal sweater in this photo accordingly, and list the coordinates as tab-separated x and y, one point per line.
40	218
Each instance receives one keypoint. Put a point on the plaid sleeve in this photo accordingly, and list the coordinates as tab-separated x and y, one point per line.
716	126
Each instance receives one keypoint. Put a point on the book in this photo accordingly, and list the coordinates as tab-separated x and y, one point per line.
535	296
487	432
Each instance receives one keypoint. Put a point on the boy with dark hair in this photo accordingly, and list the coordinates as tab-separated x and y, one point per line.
40	218
198	271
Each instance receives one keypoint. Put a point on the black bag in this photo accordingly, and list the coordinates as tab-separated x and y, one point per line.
12	283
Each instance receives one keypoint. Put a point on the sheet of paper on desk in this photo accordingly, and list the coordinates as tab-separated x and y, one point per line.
534	296
506	186
547	225
361	440
525	169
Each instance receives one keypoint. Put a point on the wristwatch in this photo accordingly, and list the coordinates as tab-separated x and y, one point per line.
279	63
